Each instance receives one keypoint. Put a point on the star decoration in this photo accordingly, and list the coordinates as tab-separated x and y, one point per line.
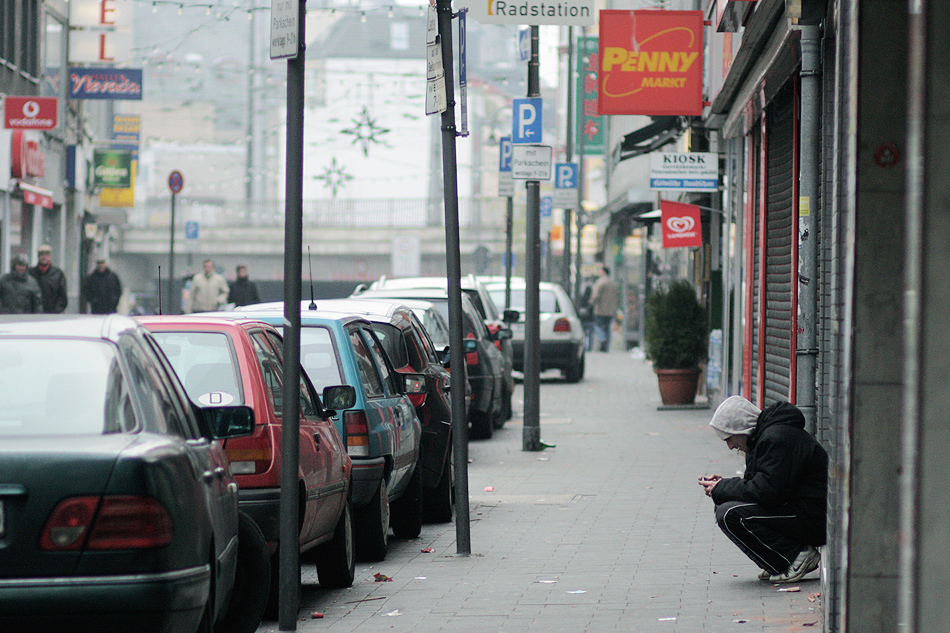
365	131
334	177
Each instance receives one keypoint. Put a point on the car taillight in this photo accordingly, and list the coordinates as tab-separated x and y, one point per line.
493	328
357	433
121	522
417	399
249	455
471	358
562	325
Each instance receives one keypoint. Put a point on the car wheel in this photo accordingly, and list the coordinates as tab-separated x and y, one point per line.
336	560
575	373
407	511
482	426
438	503
372	526
251	581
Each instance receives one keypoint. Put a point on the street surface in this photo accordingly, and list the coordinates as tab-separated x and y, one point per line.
607	531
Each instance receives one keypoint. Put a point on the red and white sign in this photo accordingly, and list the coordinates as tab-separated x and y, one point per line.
651	63
26	159
36	195
30	113
681	224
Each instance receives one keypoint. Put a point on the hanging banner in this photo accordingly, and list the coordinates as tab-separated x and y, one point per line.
589	125
651	63
681	224
112	168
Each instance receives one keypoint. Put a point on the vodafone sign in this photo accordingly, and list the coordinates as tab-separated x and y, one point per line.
30	113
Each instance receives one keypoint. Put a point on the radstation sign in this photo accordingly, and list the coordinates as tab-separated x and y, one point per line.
533	12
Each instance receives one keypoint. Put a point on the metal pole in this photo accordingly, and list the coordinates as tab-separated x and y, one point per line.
581	214
569	147
172	304
531	436
453	262
509	227
807	353
289	547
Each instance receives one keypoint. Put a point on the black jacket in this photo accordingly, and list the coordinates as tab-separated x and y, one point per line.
784	465
53	288
243	292
102	290
20	294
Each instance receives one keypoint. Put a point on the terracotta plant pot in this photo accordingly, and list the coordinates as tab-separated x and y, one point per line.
677	386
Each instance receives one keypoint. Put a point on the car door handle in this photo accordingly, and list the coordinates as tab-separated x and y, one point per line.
220	472
207	476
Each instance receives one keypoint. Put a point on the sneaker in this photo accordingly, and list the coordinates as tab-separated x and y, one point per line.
806	562
765	575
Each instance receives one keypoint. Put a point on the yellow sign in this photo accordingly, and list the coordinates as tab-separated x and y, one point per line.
125	198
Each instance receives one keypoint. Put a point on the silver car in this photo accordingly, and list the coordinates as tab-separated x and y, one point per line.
562	334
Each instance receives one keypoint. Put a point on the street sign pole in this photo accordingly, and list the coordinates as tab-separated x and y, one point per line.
171	260
531	435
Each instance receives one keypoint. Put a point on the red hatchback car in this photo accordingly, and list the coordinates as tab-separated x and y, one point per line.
228	361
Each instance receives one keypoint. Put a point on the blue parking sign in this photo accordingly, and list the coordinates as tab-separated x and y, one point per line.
504	154
526	121
191	230
565	176
547	206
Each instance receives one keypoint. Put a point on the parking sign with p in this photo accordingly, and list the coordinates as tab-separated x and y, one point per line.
527	121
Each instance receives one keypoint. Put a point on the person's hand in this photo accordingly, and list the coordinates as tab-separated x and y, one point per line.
708	483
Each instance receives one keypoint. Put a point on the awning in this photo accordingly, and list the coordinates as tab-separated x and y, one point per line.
36	195
663	130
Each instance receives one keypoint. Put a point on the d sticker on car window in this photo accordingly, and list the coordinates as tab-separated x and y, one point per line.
215	399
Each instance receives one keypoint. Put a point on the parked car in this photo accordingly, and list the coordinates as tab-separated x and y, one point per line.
561	331
381	428
493	318
240	361
117	508
409	348
485	365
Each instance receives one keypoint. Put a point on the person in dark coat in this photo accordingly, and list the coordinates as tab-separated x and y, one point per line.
102	289
52	281
19	292
776	512
243	291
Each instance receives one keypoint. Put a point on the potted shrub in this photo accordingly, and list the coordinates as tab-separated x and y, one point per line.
675	340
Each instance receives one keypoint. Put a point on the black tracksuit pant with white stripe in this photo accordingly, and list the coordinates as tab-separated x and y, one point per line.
771	537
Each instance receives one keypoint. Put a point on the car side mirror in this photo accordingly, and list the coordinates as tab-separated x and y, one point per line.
338	398
221	423
511	316
414	383
503	334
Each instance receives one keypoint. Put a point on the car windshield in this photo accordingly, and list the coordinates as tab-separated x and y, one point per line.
434	326
61	387
318	357
206	365
547	299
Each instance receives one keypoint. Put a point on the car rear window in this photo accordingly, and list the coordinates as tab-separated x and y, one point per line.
390	337
546	298
318	357
61	386
206	364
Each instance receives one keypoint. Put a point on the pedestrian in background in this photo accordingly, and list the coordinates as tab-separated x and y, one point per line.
243	290
585	312
52	281
209	290
775	513
19	292
102	289
605	299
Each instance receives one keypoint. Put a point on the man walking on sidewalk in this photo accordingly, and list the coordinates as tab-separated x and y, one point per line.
605	298
775	512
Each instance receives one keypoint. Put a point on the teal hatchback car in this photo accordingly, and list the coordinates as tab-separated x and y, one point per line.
382	430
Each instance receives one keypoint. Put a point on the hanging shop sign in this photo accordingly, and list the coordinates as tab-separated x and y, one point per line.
105	83
30	113
533	12
100	31
112	168
589	126
651	63
681	224
684	171
26	159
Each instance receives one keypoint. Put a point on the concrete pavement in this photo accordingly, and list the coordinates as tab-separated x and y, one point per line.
607	531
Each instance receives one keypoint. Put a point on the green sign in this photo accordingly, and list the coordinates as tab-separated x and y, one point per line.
112	168
588	124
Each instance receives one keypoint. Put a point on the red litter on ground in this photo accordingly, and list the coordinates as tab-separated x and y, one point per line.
427	550
382	578
489	489
316	615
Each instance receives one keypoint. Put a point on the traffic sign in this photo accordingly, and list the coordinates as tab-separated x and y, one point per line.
176	181
524	44
504	153
565	176
527	121
191	230
531	162
547	206
284	28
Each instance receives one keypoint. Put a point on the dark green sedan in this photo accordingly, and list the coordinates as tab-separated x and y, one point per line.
117	508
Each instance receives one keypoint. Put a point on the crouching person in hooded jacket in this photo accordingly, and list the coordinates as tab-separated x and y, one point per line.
776	512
